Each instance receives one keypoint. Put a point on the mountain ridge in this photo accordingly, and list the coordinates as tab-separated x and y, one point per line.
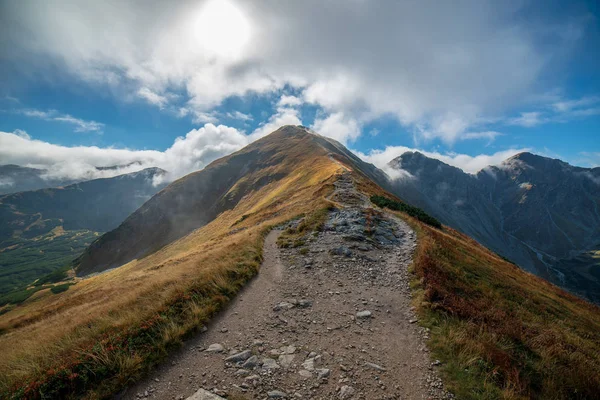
540	212
215	189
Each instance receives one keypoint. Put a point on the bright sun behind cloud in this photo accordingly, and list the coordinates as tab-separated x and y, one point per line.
222	29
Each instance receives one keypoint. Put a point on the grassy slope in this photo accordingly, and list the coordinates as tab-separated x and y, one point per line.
500	332
107	330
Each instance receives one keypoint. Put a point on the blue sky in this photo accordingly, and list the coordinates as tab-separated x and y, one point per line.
468	82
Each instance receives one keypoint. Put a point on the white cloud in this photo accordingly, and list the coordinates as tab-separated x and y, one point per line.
569	105
337	126
286	100
21	133
283	116
560	111
490	135
38	113
239	116
152	97
80	125
349	58
469	164
187	154
528	119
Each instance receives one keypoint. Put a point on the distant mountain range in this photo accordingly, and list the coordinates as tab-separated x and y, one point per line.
45	229
14	178
541	213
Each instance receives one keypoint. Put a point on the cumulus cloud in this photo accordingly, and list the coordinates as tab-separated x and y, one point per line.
337	126
348	58
469	164
188	153
286	100
283	116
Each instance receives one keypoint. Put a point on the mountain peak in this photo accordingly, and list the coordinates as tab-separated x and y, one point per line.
414	161
530	160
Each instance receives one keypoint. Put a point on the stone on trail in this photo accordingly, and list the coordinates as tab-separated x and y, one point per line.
346	392
286	360
283	306
288	349
375	366
202	394
323	373
251	362
304	303
305	374
242	356
309	364
215	348
276	394
269	363
363	314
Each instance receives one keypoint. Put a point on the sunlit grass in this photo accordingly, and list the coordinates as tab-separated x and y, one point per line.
106	331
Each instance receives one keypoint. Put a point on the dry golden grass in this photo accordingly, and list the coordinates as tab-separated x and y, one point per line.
169	293
499	331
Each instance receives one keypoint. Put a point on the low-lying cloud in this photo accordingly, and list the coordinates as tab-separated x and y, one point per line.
188	153
469	164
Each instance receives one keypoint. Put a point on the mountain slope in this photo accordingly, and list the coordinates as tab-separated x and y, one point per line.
196	199
14	178
46	229
108	329
540	213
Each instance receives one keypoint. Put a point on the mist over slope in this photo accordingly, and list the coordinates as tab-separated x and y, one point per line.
14	178
196	199
540	213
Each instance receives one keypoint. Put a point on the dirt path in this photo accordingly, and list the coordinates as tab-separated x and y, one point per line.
330	319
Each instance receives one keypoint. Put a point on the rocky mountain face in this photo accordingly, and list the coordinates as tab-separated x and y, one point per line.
540	213
196	199
43	229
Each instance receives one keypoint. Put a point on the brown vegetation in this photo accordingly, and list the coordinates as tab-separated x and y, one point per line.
501	332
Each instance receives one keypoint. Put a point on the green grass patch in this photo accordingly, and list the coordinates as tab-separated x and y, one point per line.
415	212
56	289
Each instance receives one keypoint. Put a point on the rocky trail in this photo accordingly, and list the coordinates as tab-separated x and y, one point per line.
328	319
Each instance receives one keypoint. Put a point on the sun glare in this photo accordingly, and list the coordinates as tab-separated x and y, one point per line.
222	29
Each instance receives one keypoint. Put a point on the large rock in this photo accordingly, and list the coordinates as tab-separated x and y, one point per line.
242	356
202	394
